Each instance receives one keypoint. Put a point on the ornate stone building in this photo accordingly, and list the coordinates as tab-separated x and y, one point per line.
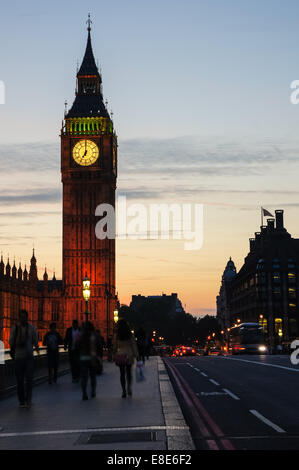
20	289
266	288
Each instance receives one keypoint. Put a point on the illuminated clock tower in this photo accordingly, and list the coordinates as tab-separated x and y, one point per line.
89	170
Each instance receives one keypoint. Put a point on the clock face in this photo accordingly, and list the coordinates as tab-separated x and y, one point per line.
85	152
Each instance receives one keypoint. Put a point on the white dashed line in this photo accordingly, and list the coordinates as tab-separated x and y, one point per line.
231	394
267	421
213	381
261	363
205	375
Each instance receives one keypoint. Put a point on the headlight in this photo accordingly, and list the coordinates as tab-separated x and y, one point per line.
262	348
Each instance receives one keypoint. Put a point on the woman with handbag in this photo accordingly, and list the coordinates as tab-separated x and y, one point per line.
125	352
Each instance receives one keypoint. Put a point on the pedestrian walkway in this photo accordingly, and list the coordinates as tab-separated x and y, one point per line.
59	419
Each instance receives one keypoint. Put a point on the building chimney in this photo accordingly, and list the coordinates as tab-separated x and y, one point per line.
263	228
279	219
257	236
251	244
271	224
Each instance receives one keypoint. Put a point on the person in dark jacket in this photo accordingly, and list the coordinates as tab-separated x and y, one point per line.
141	343
23	337
52	340
71	337
87	347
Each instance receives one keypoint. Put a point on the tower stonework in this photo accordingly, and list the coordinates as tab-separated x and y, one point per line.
89	171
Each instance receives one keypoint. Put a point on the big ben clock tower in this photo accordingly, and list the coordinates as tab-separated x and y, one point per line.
88	169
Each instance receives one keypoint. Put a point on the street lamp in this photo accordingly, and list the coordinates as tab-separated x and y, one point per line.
86	293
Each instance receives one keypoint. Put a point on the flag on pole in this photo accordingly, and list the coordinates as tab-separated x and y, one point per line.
266	213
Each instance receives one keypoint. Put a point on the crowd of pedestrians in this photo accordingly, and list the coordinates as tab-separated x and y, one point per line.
85	351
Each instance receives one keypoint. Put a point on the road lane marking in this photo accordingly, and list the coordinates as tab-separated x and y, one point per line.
231	394
197	370
214	382
205	375
261	363
91	430
267	421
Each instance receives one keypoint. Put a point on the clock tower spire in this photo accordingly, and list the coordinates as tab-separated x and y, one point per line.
89	170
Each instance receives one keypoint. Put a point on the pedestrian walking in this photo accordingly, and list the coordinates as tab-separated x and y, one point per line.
88	347
125	352
23	338
109	346
71	337
52	340
100	347
141	344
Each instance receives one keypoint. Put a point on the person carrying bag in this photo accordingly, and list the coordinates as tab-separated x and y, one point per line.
125	352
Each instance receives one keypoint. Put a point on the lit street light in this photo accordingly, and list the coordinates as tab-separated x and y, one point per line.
86	293
115	316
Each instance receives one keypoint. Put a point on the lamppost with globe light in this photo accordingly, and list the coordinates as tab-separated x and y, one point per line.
115	317
86	294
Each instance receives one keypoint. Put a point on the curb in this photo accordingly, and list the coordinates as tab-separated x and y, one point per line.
177	439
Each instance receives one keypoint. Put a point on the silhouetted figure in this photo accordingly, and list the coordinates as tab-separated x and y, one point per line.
100	346
147	351
88	346
109	348
125	351
71	337
141	343
23	337
52	340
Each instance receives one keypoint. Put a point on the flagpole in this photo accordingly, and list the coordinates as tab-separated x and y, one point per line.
262	218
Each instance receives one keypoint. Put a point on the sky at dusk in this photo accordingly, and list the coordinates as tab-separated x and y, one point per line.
200	92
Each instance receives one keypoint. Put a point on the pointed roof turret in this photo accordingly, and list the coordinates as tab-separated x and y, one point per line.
89	97
2	267
14	270
20	272
88	66
7	268
25	273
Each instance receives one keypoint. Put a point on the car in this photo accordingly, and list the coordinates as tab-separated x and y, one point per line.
184	351
215	352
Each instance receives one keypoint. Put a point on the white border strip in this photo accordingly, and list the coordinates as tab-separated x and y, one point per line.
91	430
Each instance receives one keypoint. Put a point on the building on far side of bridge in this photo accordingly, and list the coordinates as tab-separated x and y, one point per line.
266	288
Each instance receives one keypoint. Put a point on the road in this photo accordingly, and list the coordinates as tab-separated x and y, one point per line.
239	402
